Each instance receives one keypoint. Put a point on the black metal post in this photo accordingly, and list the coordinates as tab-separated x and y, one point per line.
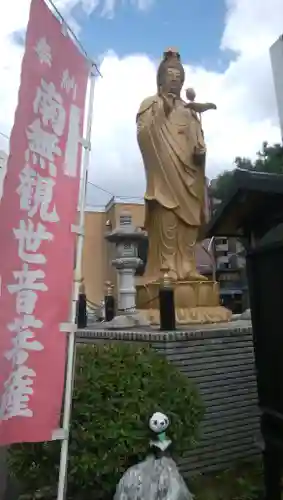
3	472
109	302
167	304
81	311
272	472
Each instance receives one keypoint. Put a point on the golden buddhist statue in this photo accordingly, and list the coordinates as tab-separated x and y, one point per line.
171	142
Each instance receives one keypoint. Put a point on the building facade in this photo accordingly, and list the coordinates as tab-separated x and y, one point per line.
98	253
276	56
230	268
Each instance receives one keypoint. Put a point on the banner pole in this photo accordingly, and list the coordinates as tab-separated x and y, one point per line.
62	482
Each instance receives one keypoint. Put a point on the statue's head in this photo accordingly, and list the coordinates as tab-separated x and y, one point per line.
171	74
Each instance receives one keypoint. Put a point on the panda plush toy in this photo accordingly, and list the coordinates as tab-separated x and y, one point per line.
157	476
158	424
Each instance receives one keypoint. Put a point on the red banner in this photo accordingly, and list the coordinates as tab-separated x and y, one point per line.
38	207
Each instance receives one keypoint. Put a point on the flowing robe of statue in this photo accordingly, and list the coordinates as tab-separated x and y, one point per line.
175	192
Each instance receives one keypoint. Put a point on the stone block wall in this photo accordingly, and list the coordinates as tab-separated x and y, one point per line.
220	361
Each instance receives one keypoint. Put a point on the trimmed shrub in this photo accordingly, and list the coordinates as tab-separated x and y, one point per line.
117	388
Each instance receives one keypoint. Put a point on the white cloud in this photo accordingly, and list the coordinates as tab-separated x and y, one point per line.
251	26
244	94
106	8
246	114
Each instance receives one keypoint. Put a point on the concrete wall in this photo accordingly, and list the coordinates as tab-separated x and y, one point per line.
222	367
276	56
221	363
94	255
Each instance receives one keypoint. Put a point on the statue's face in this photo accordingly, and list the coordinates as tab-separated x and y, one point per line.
173	81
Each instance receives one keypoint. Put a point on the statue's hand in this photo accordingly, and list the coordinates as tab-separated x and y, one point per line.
168	101
212	105
199	156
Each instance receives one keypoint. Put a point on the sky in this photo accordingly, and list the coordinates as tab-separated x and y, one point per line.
224	46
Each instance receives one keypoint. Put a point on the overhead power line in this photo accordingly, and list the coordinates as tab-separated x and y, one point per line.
4	135
123	197
74	36
96	185
101	188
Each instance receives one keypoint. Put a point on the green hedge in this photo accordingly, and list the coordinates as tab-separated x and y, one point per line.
117	388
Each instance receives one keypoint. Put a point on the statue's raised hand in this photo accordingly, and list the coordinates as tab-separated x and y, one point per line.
168	101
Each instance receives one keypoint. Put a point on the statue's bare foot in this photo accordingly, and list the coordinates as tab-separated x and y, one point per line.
195	276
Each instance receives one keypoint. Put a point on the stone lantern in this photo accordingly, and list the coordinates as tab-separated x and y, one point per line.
126	238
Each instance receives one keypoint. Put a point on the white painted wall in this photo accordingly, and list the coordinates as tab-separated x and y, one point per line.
276	56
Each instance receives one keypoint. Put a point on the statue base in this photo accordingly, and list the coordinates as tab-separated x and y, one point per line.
124	321
195	302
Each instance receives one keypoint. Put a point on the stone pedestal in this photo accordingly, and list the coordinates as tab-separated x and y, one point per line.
126	268
219	360
195	302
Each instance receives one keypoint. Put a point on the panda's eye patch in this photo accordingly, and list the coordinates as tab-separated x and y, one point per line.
155	422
